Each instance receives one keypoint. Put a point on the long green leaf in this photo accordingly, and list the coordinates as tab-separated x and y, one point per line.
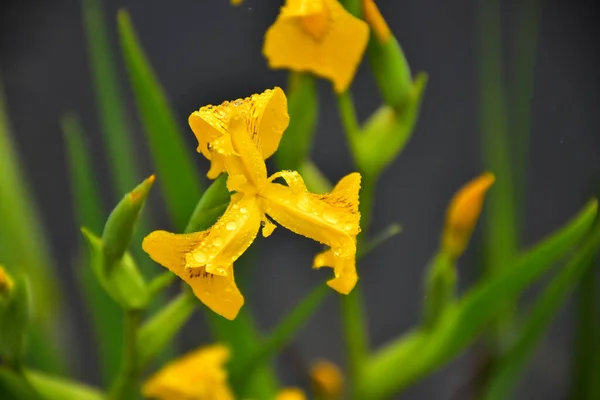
501	234
106	315
509	368
55	388
115	128
24	248
421	352
178	177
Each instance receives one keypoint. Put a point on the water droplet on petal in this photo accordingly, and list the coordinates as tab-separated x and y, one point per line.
200	257
220	271
330	217
243	210
217	241
348	226
231	226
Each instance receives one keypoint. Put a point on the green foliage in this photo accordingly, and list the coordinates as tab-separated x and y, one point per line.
178	177
15	310
421	352
507	371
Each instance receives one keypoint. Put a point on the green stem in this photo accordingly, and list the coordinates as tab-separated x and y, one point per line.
355	333
125	386
348	116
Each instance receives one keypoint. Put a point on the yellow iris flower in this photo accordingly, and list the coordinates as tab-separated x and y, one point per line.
318	36
237	137
198	375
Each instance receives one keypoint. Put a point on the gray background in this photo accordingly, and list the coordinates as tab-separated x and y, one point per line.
206	52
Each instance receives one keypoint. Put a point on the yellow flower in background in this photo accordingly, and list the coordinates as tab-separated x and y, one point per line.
291	393
327	380
6	283
463	213
236	2
318	36
237	137
199	375
376	21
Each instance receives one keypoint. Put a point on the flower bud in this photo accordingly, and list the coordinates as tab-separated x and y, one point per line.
327	380
463	213
6	284
118	230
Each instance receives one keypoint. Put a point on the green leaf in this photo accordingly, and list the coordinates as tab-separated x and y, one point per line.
23	248
15	310
115	128
280	336
211	206
105	313
500	221
315	181
294	148
179	180
55	388
14	387
160	330
508	370
422	352
440	288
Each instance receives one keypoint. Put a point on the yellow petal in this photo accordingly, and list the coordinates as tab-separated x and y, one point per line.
327	379
225	241
249	162
268	227
197	375
301	40
291	393
332	219
265	115
219	293
344	267
463	213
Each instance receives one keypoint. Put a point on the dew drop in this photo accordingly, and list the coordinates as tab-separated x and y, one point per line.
348	226
243	210
217	241
231	226
303	204
330	217
200	257
220	271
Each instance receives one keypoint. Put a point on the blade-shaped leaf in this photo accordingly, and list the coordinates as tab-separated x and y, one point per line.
23	247
179	179
106	315
55	388
509	368
420	352
115	128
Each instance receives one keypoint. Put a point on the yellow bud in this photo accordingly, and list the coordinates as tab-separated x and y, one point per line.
291	393
236	2
463	213
376	21
327	379
6	283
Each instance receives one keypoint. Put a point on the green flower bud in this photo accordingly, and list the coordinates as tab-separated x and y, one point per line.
123	280
118	230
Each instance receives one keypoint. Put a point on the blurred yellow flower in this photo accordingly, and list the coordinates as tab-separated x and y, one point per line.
6	282
463	213
327	380
237	137
236	2
291	393
199	375
318	36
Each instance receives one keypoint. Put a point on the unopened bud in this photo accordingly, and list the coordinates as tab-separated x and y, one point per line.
291	393
463	213
327	380
6	283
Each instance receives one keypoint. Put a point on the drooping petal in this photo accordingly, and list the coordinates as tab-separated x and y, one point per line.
344	268
219	293
319	36
332	219
197	375
265	115
227	240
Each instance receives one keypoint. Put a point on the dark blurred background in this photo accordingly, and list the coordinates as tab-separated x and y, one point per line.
207	51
